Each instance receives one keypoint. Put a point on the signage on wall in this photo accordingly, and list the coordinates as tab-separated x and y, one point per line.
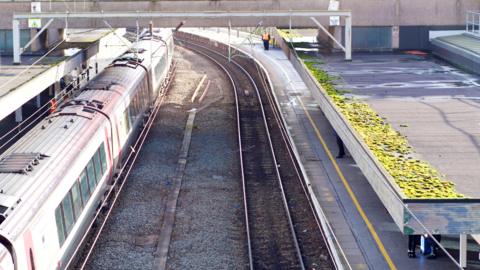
34	23
333	6
35	7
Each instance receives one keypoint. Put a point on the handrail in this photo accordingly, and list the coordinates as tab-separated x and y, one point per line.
472	23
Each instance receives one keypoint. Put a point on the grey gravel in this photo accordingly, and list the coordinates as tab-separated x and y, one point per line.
209	230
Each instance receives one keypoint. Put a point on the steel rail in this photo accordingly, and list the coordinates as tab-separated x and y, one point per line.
282	191
292	158
239	136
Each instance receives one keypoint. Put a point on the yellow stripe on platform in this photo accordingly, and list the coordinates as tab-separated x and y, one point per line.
349	190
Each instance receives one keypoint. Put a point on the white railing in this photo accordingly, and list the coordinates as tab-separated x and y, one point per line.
473	22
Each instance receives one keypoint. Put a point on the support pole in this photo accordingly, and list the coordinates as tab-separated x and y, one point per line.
229	45
38	100
16	42
463	250
348	38
19	115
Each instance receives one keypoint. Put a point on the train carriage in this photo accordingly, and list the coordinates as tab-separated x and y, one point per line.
53	180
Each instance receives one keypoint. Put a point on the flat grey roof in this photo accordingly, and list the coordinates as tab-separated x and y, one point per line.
434	104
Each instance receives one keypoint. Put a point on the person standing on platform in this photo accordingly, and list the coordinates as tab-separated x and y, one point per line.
434	246
413	241
341	147
266	40
53	105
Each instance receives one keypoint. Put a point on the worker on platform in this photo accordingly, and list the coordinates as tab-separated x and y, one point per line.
434	248
266	40
53	105
341	147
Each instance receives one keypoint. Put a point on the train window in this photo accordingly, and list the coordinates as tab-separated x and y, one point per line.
77	200
60	229
136	108
159	68
68	217
126	119
91	175
84	188
103	157
98	166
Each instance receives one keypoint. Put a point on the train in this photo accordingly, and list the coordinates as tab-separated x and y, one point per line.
54	179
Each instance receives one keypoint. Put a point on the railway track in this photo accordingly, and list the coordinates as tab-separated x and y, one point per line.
282	229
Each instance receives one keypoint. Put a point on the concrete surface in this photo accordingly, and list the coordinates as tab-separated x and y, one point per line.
438	104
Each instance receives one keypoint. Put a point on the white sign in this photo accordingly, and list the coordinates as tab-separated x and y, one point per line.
333	6
34	23
334	20
36	7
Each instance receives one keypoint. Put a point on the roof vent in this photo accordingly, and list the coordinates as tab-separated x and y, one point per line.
20	162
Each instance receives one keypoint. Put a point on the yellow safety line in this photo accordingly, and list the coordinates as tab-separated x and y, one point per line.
349	190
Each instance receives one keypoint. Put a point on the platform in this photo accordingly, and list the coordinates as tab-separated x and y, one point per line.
307	124
20	83
436	107
462	50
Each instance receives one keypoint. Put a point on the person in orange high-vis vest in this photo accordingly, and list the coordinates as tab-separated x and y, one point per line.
266	40
53	105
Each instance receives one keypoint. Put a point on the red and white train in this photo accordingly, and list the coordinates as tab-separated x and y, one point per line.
53	180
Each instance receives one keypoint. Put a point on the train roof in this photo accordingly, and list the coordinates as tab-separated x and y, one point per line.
28	167
39	154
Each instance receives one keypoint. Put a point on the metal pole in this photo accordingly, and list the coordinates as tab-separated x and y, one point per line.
290	28
38	100
16	42
65	31
348	38
229	46
466	22
463	250
19	115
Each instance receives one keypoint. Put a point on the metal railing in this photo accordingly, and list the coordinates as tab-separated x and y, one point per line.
472	24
